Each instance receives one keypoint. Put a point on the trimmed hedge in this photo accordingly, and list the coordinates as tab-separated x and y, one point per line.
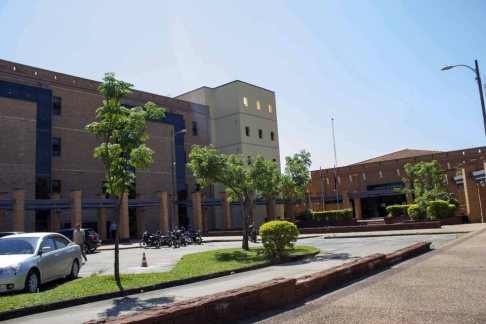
278	237
397	210
416	213
440	209
342	214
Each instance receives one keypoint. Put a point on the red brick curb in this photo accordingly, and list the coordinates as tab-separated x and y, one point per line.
231	305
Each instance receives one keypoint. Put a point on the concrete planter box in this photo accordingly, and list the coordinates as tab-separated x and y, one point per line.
456	220
396	219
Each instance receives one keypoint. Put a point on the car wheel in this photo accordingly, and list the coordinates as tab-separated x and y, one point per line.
32	282
74	270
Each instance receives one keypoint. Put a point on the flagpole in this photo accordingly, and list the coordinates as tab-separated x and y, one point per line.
322	192
335	164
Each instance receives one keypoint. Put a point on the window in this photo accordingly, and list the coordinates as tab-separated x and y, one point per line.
198	187
247	131
56	147
56	106
448	165
398	172
259	107
381	174
194	128
350	178
272	136
56	186
260	133
48	242
61	242
274	160
270	108
245	101
364	176
249	159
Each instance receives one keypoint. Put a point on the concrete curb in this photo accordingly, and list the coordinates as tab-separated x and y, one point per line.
30	310
393	234
232	305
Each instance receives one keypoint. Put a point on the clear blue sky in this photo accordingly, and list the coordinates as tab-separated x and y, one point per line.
372	65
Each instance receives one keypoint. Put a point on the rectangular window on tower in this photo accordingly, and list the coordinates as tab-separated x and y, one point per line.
259	107
245	101
260	133
272	136
247	131
194	129
56	186
270	108
56	147
56	106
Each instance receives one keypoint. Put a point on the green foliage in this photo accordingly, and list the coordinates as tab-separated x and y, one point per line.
278	237
261	179
296	176
195	264
333	215
121	132
397	210
425	176
438	209
417	213
452	210
305	216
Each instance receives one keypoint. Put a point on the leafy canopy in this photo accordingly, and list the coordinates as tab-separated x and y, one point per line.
121	133
261	177
296	176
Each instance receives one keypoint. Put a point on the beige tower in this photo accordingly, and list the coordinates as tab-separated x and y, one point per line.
243	121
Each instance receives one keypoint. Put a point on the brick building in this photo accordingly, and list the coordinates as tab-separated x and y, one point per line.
45	149
368	186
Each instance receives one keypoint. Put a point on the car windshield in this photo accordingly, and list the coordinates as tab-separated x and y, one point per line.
93	232
19	245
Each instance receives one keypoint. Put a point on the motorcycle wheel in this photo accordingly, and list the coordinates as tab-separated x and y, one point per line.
143	244
156	244
198	240
176	244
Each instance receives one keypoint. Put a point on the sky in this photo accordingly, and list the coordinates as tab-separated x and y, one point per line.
373	66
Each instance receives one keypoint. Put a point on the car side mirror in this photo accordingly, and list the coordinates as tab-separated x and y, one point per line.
45	249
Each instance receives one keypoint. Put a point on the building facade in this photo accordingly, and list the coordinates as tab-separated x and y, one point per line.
45	149
368	186
243	121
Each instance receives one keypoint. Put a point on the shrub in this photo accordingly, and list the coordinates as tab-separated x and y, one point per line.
304	216
397	210
328	215
278	237
452	210
438	209
416	213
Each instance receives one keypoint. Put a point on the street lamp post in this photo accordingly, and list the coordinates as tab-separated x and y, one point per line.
478	78
172	145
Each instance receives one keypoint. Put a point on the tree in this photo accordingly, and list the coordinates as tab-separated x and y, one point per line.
261	179
121	133
296	176
428	183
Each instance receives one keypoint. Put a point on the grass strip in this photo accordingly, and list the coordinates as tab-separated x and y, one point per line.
191	265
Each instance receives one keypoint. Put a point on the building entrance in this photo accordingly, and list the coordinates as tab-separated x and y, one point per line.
376	206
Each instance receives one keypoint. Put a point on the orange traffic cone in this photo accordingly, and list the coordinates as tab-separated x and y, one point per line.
144	261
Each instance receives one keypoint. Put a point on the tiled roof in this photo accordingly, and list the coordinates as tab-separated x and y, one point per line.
407	153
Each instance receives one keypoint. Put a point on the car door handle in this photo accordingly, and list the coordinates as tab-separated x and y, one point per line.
56	255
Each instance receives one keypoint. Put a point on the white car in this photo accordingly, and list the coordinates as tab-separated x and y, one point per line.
31	259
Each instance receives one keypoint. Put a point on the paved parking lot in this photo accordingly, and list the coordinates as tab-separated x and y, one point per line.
164	259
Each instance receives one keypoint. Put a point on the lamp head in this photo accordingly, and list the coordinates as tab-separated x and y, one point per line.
447	67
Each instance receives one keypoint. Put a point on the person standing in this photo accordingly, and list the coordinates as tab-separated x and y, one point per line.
113	229
78	237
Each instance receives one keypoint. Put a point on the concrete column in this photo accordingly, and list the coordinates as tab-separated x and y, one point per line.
197	211
176	212
205	215
163	212
76	217
123	226
140	215
101	218
226	211
3	226
54	223
19	210
271	210
482	201
347	204
357	208
471	190
408	185
289	209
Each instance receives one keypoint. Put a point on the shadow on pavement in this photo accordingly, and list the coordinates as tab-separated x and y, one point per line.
133	304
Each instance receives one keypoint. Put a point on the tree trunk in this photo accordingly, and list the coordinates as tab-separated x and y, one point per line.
117	244
244	243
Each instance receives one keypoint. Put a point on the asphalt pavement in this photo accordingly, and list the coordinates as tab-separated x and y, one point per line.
334	252
447	285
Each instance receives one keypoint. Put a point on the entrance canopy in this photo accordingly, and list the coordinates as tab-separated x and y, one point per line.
373	193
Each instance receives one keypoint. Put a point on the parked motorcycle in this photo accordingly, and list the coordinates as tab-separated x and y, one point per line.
150	240
195	237
166	240
174	239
